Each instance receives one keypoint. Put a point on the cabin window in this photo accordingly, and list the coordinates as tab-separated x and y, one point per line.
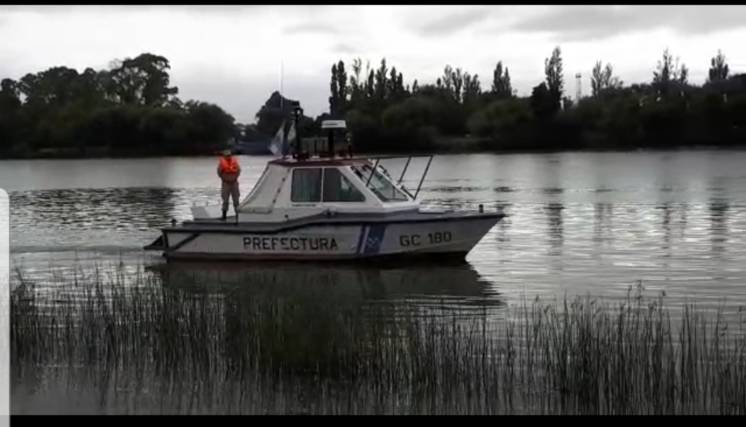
306	185
381	186
337	188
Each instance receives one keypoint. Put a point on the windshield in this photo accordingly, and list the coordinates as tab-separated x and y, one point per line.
380	184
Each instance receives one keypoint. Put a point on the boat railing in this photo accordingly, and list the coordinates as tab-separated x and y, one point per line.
377	164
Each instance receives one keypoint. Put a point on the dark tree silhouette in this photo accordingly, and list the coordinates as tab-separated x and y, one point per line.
143	80
669	75
501	87
380	81
543	103
334	85
129	109
718	68
603	79
342	86
554	78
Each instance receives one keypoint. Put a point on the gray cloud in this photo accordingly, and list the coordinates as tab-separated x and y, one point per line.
229	8
344	48
571	23
452	23
202	9
310	28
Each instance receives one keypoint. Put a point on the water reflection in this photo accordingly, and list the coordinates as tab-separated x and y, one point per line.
502	226
602	225
666	227
552	190
453	189
718	210
554	226
683	209
458	286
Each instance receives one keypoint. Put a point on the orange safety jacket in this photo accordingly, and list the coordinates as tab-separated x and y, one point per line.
229	166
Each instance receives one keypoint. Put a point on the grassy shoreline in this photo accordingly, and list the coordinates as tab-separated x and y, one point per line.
152	349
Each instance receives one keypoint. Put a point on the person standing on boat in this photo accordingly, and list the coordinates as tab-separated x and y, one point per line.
228	171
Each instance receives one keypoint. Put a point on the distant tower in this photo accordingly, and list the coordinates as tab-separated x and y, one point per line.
578	92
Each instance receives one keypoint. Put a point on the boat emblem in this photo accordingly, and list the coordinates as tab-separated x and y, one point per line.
372	242
374	239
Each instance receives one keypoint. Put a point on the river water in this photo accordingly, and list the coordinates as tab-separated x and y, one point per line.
578	222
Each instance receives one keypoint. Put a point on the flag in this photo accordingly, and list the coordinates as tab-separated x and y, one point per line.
277	144
291	135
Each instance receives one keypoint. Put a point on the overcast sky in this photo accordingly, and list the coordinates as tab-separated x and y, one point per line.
232	55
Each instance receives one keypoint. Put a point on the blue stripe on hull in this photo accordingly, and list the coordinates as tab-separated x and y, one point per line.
363	229
374	239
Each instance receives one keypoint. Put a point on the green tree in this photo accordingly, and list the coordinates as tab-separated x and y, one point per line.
662	75
128	109
10	109
342	86
276	109
683	75
370	87
55	86
380	82
718	68
211	126
506	122
338	99
472	89
395	86
143	80
554	77
669	74
356	85
603	79
410	124
334	98
9	95
501	87
365	129
543	104
457	78
597	79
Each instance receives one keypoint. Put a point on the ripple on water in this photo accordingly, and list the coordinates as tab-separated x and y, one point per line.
579	223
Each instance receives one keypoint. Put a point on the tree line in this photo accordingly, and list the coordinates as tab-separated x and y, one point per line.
128	109
386	115
132	109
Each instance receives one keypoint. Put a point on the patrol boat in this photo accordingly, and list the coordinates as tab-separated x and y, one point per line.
329	206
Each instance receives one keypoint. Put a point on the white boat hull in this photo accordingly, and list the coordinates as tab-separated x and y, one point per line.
330	240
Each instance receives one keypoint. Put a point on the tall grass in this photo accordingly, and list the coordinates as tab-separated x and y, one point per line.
148	348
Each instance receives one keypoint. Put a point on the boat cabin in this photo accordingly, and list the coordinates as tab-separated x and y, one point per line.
322	183
290	189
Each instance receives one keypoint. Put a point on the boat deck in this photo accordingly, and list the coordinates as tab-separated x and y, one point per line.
230	225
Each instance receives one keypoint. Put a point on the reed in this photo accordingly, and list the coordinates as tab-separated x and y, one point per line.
142	347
